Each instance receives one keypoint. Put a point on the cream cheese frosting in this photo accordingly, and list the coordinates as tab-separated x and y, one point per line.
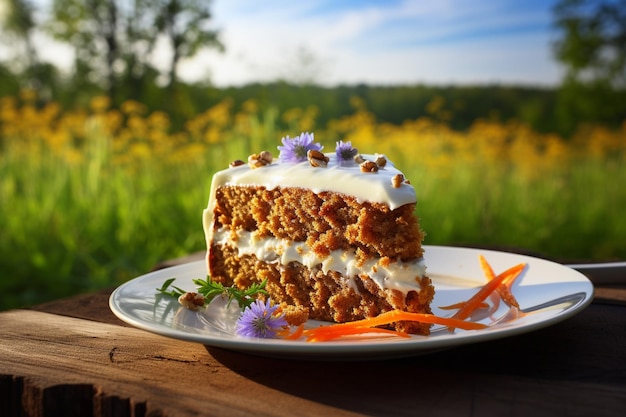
398	275
343	177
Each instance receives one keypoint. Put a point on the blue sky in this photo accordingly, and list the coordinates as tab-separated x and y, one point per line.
382	42
366	41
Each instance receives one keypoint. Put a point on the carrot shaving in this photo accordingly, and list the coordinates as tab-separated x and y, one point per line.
491	286
361	326
504	290
490	275
297	333
326	336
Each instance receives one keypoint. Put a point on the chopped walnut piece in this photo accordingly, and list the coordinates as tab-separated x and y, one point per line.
317	159
359	159
192	300
369	166
260	160
253	161
381	161
397	180
266	156
236	163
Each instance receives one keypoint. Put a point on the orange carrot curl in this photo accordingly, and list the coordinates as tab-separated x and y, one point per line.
491	286
284	333
504	290
325	336
368	325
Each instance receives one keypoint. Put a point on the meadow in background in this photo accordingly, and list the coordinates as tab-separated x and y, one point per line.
91	198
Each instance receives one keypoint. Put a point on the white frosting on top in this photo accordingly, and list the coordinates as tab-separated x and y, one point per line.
345	177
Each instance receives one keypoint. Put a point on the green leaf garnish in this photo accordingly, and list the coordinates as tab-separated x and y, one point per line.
210	289
247	296
176	292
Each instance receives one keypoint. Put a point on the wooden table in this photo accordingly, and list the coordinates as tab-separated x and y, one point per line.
73	357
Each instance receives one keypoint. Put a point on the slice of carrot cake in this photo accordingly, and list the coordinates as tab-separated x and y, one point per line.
334	234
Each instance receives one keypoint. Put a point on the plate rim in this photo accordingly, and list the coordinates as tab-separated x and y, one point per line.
332	350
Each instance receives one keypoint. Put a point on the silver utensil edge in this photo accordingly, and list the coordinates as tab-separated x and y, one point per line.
606	273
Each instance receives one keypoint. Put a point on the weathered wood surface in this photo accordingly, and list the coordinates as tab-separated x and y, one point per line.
55	364
65	366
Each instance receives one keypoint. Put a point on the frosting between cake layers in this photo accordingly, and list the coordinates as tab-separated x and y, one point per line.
396	275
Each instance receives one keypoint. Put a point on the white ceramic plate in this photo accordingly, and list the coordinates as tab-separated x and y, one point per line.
546	291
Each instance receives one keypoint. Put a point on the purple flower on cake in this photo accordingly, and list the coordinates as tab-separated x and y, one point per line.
345	151
295	149
259	320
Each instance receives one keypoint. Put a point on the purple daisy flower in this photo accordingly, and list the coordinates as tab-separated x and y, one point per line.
258	320
295	149
345	151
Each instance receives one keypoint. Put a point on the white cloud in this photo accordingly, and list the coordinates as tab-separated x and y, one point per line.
391	42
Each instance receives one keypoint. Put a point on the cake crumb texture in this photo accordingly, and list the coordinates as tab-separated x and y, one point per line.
326	221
